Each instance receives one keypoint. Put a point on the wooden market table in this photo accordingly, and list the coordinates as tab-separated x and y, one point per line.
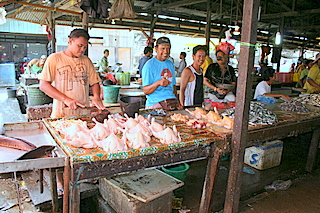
290	124
93	164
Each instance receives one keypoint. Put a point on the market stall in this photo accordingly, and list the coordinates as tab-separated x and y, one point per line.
196	144
91	164
17	160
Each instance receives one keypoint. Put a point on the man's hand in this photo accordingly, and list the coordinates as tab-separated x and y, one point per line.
72	104
221	91
164	82
180	106
98	103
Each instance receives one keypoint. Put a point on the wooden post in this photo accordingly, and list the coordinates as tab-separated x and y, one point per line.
53	32
313	150
240	129
208	26
85	24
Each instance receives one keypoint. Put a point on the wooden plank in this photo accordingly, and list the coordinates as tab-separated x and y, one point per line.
282	131
145	185
313	150
96	170
239	137
25	165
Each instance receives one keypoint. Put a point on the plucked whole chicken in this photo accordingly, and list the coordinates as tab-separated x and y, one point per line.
136	133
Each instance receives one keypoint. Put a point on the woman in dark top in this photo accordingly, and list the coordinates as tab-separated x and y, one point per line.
220	72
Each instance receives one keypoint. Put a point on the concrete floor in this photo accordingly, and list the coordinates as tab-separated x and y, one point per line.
254	198
302	196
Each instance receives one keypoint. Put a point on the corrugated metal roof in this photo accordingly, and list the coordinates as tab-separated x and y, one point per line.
298	18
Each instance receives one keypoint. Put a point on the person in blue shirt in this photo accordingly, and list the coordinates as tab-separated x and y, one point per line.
158	76
147	55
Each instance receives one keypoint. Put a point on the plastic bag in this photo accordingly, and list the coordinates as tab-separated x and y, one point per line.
122	9
266	99
3	14
279	185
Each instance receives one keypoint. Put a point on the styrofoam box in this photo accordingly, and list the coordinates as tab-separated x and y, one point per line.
264	156
146	191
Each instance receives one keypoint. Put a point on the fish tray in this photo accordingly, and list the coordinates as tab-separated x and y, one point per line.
36	133
189	137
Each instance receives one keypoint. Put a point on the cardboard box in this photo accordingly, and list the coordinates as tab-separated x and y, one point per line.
139	192
264	156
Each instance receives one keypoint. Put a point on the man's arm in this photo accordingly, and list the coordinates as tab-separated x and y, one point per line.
313	83
51	91
96	101
208	84
277	96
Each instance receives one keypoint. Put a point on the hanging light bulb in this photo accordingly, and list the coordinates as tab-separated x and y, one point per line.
236	30
278	38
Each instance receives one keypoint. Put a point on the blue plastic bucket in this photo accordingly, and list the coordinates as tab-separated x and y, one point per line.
110	93
177	171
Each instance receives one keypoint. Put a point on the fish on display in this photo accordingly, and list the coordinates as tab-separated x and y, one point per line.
16	143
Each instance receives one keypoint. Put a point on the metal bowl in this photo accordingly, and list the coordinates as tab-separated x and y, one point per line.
225	86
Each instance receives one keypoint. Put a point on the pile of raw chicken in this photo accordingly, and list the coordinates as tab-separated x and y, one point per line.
203	119
136	133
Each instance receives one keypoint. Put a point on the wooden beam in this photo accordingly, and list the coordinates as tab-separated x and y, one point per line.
20	9
6	3
284	6
240	129
183	3
48	8
288	14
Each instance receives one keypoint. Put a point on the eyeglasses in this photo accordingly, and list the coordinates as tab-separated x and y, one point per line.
219	58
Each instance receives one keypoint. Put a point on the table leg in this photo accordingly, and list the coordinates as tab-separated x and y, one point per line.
211	174
66	187
313	150
54	194
75	198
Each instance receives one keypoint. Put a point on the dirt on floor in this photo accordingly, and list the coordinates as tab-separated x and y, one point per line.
302	196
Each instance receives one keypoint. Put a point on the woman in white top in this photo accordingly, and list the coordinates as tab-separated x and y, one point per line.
191	85
264	87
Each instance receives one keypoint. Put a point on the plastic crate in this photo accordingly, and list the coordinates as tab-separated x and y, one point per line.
264	156
7	75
